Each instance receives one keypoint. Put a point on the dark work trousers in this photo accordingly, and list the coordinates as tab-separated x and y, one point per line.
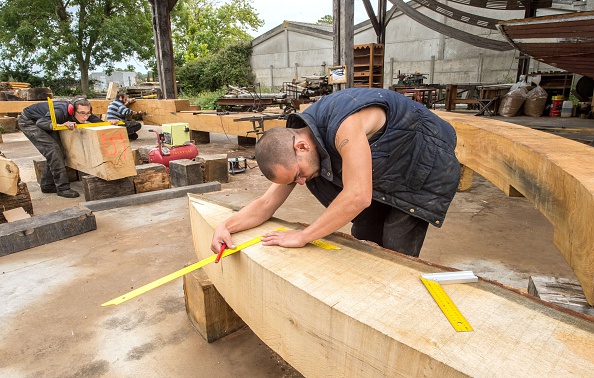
48	143
380	223
132	127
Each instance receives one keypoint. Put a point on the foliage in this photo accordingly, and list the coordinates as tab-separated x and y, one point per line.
327	19
206	100
66	36
230	66
202	27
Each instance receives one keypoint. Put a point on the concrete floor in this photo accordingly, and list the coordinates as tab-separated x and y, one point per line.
53	325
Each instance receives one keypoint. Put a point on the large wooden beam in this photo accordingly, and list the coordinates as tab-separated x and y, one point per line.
362	311
99	151
554	173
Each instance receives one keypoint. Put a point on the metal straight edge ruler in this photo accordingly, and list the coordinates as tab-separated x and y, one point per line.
55	125
447	306
198	265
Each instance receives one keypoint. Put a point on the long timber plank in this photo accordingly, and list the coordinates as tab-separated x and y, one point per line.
554	173
362	311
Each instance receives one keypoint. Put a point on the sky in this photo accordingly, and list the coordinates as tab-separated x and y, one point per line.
274	12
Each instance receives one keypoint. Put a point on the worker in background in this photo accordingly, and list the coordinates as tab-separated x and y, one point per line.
372	156
118	110
36	123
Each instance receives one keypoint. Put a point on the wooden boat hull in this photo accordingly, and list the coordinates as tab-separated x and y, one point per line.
564	41
362	311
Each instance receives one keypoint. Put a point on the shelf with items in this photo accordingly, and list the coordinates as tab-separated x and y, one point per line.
368	65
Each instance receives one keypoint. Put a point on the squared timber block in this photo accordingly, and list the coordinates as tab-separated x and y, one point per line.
103	151
136	156
143	151
566	292
39	164
96	188
8	124
185	172
216	168
45	228
21	199
466	175
151	177
207	310
200	137
246	141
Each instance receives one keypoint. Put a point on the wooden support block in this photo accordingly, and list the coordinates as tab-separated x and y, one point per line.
216	168
208	312
185	172
1	140
136	157
8	124
45	228
112	90
246	141
200	137
564	292
21	199
466	175
151	177
103	151
96	188
143	151
9	177
39	164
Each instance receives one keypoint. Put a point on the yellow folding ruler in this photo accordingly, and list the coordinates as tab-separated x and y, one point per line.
198	265
55	125
447	306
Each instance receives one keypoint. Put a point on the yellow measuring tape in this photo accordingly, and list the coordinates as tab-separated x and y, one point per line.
193	267
55	125
446	305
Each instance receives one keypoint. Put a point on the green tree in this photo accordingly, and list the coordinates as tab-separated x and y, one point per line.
65	36
201	27
327	19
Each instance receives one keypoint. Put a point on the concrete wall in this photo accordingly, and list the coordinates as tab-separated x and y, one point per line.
293	50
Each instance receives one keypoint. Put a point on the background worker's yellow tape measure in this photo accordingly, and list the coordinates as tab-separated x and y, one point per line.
193	267
55	125
446	305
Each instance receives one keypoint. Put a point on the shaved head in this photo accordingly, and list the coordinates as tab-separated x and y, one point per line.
275	148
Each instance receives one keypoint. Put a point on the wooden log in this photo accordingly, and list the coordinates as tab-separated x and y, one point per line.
207	310
216	167
9	177
103	151
21	199
45	228
151	177
362	311
185	172
95	188
553	173
39	164
565	292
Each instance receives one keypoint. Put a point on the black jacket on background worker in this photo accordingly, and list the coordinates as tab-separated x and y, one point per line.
36	123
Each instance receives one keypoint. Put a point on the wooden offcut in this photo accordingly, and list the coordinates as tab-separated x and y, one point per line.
362	311
216	167
566	292
555	174
95	188
21	199
151	177
45	228
206	308
39	165
186	172
9	177
103	151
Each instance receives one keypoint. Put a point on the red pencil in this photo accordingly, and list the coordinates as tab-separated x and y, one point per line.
223	247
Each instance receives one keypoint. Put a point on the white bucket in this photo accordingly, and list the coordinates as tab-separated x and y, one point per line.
567	109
